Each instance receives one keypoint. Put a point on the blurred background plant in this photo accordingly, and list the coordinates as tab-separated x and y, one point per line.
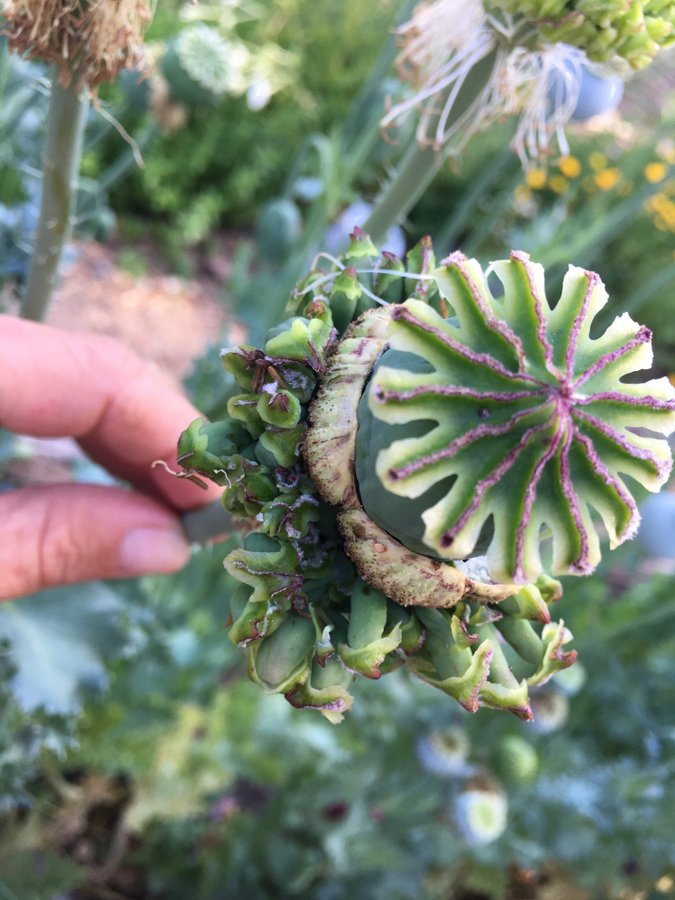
135	758
184	779
215	162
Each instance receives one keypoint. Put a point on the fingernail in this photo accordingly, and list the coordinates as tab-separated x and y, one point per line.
153	550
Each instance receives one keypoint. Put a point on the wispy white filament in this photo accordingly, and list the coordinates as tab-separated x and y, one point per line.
442	44
548	82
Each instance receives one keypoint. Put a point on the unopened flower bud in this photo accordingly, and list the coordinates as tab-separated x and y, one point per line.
481	814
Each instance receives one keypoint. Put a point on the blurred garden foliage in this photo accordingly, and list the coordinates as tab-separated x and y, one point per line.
217	791
229	158
136	760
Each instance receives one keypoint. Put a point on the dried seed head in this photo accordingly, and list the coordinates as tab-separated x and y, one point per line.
92	40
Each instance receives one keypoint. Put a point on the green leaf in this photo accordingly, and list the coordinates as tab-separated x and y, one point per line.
60	640
37	875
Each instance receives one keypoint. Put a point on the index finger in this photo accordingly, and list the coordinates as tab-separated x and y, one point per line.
124	412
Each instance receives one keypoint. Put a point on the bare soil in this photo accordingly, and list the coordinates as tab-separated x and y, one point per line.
166	319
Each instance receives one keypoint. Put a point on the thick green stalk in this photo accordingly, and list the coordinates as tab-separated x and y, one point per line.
4	65
421	163
478	189
63	150
413	176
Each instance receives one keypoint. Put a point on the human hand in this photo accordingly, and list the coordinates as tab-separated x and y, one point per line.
124	414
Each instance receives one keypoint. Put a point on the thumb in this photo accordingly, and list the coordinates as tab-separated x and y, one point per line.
61	534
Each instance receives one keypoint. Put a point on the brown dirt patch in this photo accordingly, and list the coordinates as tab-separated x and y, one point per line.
165	319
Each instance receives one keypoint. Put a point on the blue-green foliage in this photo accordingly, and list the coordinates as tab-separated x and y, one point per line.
24	101
59	642
22	115
230	159
24	736
237	794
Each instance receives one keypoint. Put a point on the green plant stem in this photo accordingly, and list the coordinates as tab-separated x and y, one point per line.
63	150
4	65
414	175
476	190
421	163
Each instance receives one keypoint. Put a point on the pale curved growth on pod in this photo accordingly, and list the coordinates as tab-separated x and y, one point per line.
329	448
402	418
530	420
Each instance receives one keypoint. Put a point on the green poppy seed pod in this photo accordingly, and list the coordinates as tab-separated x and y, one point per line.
277	229
444	751
571	681
498	429
207	447
344	297
324	689
200	66
516	759
551	710
329	448
481	813
411	473
388	284
367	644
282	660
270	569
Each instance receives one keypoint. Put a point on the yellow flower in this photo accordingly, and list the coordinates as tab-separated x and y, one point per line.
535	178
558	184
597	161
662	209
607	179
570	166
655	171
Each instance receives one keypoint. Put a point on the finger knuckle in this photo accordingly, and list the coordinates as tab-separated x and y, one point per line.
61	557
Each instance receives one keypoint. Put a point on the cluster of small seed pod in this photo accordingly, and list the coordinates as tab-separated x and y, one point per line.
633	30
401	423
312	609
